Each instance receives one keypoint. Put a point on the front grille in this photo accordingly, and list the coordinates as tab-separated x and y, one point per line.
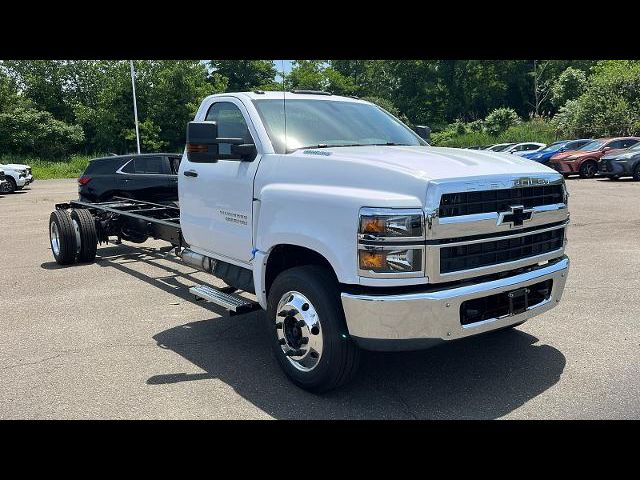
484	254
501	305
488	201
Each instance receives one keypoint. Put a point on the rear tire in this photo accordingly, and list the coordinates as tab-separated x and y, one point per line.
588	169
88	236
62	237
312	323
636	173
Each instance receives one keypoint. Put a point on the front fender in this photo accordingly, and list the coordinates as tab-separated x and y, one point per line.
319	217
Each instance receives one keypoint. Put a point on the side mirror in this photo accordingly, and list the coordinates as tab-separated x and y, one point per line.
606	149
204	145
423	132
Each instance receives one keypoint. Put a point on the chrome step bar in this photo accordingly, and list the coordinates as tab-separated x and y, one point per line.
234	304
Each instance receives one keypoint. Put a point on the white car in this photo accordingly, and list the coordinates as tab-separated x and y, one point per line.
20	166
16	177
499	147
524	148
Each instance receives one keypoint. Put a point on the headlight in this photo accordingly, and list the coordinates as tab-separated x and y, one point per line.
390	224
388	243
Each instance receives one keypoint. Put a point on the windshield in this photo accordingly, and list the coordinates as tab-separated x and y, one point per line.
553	146
327	123
595	145
500	148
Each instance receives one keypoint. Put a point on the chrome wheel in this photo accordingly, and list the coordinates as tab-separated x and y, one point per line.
76	230
55	238
299	331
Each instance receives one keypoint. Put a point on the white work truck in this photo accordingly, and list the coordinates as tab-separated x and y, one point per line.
350	230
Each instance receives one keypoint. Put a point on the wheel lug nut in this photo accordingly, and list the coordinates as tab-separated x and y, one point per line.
295	353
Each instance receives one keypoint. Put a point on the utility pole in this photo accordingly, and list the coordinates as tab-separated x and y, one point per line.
135	106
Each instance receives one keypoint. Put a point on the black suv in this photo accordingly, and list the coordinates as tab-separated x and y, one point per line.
151	176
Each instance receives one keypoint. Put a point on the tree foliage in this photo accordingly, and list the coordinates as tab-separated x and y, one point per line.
61	102
244	75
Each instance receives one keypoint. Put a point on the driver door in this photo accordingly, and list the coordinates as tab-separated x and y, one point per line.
216	198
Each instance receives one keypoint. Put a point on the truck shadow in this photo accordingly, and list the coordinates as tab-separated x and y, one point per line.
484	377
480	378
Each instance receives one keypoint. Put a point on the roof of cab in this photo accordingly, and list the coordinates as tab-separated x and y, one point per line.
279	95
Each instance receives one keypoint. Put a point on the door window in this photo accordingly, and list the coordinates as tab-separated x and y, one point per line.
231	124
628	143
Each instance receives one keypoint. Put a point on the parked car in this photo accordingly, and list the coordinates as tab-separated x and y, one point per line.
543	155
500	147
621	163
525	147
20	166
150	177
584	160
15	176
475	147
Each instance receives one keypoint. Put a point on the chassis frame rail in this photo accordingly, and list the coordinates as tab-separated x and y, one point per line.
136	217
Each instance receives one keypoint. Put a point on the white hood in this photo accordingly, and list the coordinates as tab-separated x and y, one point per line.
434	163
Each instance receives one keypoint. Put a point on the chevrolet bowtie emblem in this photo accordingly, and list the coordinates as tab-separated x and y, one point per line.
516	216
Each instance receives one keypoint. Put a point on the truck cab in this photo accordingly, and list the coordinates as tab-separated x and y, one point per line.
354	233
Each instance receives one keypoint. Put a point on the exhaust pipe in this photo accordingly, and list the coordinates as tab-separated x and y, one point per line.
197	260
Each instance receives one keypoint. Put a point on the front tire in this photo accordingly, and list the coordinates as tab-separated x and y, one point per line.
588	169
12	185
308	332
62	237
636	173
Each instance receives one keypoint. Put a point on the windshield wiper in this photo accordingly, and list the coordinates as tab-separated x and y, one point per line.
392	144
325	145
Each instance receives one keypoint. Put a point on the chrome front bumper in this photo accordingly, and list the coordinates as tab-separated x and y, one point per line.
417	320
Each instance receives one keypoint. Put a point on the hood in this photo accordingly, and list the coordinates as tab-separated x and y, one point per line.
568	153
13	166
620	153
434	163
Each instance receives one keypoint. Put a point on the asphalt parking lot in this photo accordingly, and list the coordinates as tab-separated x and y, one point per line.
123	338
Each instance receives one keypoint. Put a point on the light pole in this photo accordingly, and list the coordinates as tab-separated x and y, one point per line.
135	106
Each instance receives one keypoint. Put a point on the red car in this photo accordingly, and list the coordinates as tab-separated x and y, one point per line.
584	161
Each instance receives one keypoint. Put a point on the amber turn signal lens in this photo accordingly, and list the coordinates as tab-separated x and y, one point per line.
371	260
372	225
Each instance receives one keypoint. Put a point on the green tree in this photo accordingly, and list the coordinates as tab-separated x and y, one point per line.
25	130
610	105
570	84
500	120
243	75
319	75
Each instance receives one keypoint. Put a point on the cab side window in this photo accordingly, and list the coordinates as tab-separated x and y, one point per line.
615	144
629	143
231	124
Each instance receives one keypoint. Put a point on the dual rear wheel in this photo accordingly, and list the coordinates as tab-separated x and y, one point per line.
73	236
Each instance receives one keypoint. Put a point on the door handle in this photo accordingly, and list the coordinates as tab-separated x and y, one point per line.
190	173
